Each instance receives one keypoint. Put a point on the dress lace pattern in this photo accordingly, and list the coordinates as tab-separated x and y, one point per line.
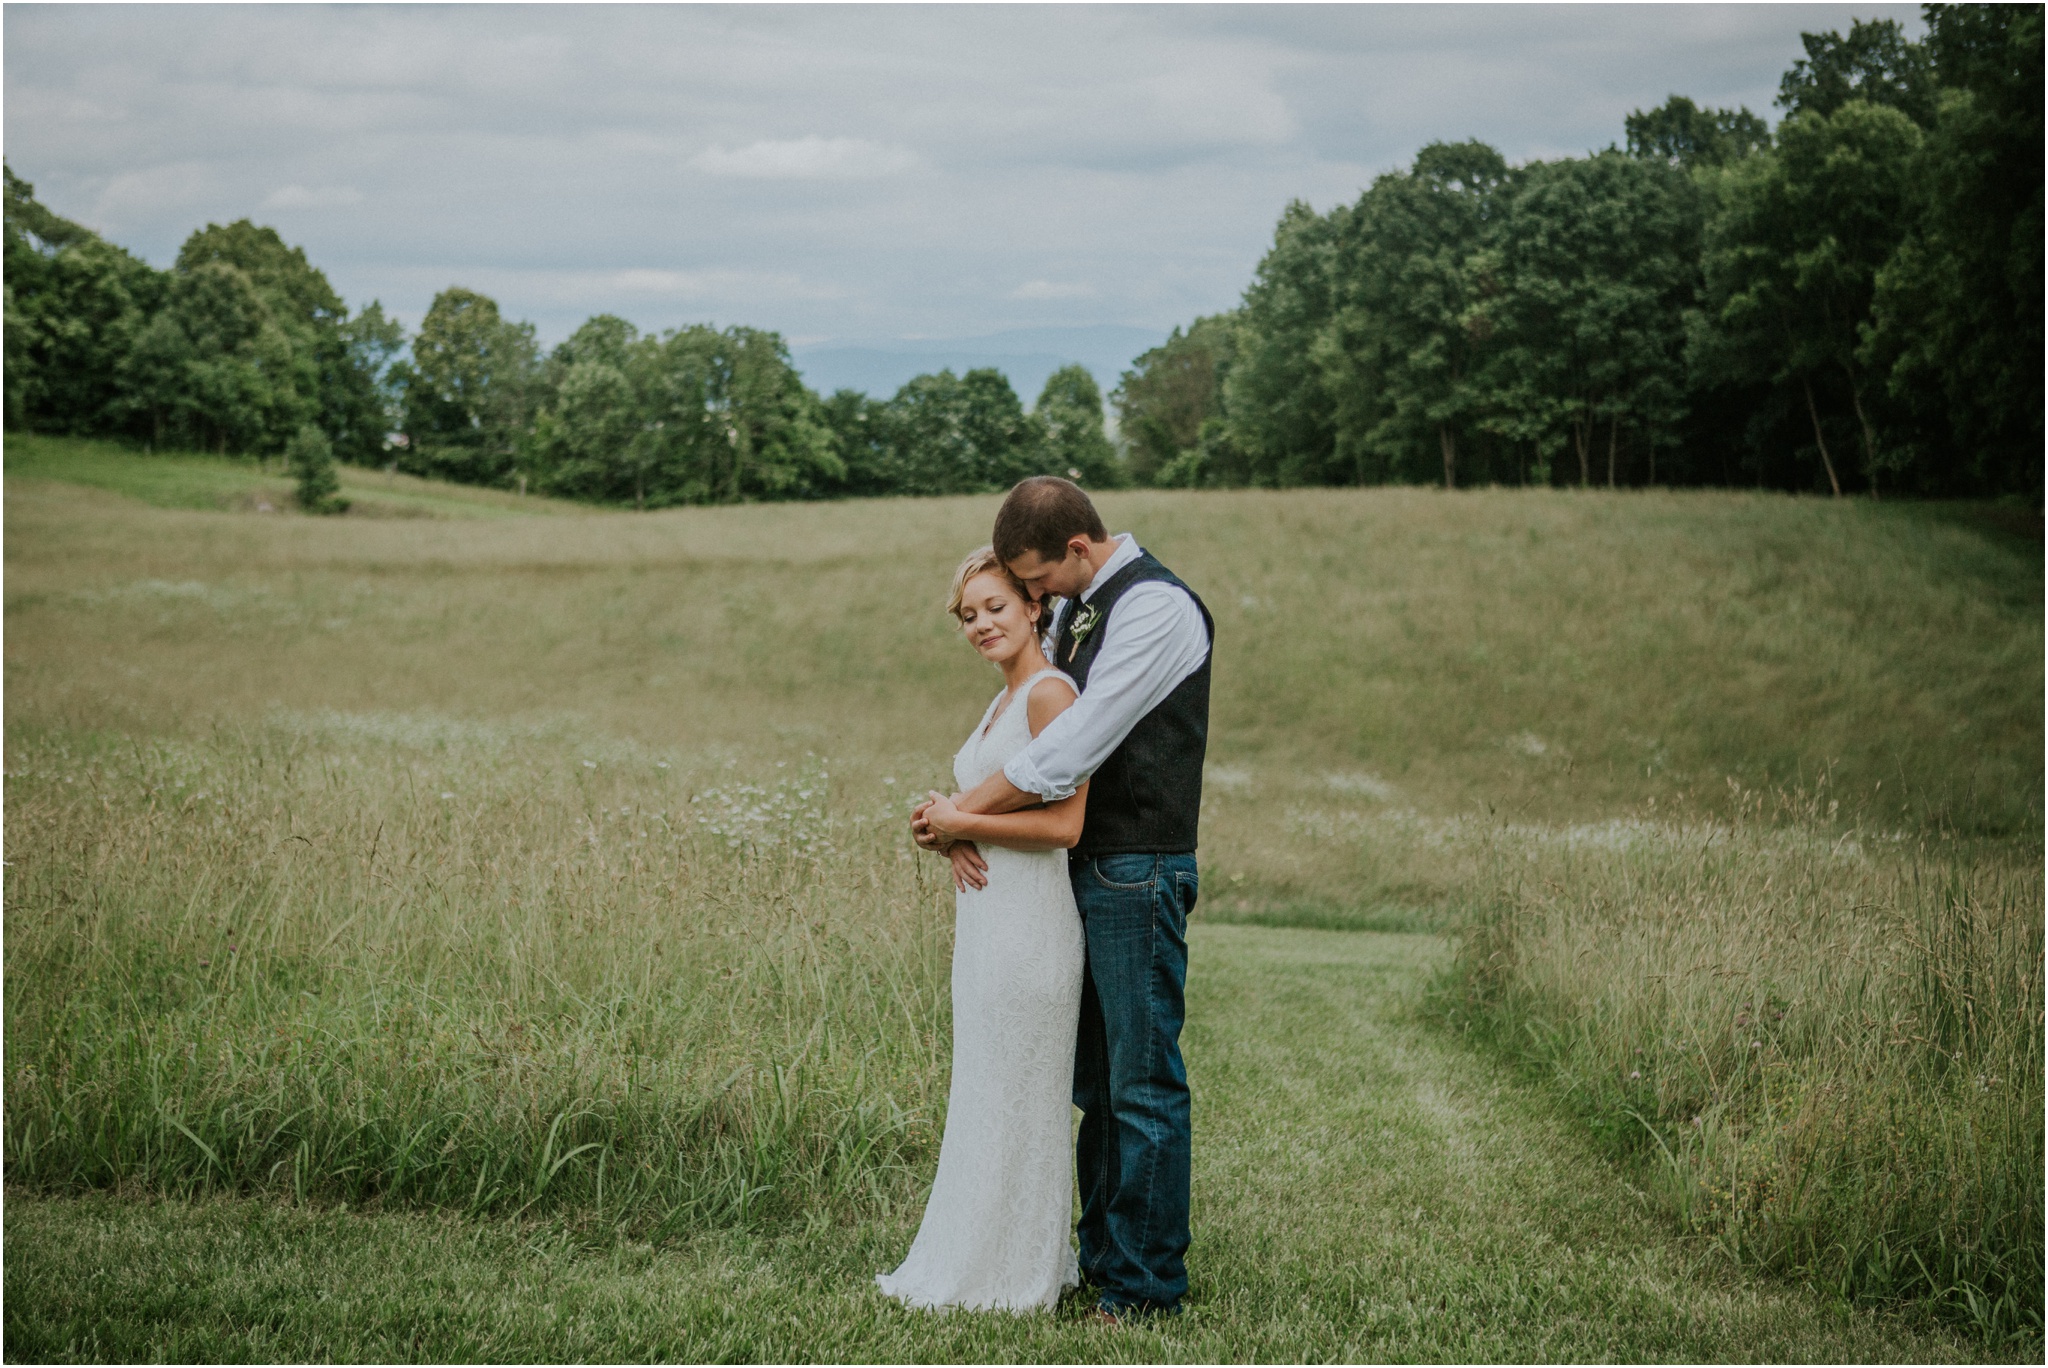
997	1232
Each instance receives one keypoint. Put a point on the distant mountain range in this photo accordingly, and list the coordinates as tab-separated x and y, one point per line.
1026	355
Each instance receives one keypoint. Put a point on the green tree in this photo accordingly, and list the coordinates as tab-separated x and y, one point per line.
296	290
1400	357
342	363
962	434
591	438
1582	297
860	439
310	458
1876	64
1791	258
1956	317
17	362
1682	133
603	338
1355	360
696	416
780	447
359	402
216	369
469	390
1169	392
1278	414
152	376
1069	412
587	439
27	215
75	306
684	381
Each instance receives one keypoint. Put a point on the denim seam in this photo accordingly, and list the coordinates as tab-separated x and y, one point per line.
1155	1061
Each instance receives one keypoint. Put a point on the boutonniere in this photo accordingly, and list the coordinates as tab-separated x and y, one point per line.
1085	618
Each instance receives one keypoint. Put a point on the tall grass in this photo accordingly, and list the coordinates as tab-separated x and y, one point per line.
1824	1046
441	966
547	864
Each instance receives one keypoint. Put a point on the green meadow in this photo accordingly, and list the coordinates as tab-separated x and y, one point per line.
477	927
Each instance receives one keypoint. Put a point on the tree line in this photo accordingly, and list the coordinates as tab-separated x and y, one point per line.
1851	302
243	347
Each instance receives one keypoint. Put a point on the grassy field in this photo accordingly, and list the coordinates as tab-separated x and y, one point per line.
249	486
482	934
1456	1216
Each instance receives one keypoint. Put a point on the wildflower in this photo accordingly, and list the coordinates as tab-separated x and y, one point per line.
590	764
1635	1073
446	796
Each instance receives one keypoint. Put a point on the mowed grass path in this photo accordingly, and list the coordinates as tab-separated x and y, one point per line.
1366	1189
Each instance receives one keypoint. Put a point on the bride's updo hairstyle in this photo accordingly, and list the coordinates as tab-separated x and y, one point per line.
982	561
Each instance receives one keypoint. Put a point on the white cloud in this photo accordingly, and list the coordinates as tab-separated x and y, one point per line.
1211	100
811	158
176	188
319	197
735	293
715	284
1051	289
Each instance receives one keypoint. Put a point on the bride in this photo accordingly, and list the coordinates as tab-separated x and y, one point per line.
996	1232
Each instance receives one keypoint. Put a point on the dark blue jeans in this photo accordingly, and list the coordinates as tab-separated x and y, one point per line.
1129	1082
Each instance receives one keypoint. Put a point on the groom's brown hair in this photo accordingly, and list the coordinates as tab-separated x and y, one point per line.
1041	514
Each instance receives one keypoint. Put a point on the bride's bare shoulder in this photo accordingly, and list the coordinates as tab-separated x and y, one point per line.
1048	698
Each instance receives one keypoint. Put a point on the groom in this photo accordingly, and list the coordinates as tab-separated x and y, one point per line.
1137	643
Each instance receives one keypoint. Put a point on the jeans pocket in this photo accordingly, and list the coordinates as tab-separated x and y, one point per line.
1127	872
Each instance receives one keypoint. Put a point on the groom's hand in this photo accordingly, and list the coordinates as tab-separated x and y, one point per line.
921	830
941	818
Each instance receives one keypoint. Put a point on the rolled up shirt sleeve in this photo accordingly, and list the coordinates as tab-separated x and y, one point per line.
1153	640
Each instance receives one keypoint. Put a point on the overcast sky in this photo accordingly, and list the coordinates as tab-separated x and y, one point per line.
835	172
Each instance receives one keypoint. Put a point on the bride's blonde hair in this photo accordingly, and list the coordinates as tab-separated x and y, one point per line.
983	561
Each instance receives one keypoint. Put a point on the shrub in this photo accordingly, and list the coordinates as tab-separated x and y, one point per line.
310	457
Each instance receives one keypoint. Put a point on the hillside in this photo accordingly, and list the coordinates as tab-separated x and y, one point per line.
1562	655
549	873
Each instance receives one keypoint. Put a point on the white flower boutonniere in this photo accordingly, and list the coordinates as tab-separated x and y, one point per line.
1085	618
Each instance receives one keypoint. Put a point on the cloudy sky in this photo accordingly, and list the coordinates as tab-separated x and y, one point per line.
841	172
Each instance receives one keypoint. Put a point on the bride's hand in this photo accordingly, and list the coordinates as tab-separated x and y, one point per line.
970	871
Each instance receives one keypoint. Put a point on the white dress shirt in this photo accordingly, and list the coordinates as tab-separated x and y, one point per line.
1153	640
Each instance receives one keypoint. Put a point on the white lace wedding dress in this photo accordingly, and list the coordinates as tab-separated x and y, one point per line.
998	1230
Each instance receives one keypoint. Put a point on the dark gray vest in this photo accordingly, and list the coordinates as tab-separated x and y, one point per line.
1146	798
